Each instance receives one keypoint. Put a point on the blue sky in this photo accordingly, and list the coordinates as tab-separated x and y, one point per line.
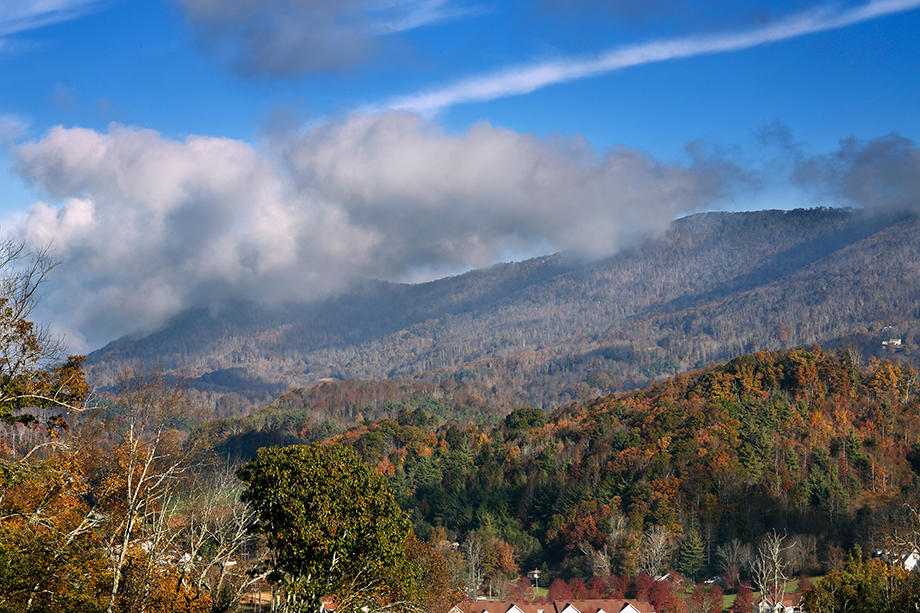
141	63
700	104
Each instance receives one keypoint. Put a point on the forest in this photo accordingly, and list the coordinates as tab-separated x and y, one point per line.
134	501
807	442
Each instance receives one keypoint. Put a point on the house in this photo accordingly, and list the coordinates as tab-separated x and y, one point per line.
673	578
613	605
790	603
908	561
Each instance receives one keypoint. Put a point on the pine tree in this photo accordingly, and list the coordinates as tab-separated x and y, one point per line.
690	554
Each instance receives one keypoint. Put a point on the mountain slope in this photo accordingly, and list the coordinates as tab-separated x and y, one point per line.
805	442
552	329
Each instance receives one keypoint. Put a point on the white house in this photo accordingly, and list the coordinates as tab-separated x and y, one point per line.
791	603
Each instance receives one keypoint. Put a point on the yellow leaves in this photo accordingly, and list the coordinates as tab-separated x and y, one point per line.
885	378
663	443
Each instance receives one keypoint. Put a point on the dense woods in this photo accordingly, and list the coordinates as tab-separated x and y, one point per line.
807	442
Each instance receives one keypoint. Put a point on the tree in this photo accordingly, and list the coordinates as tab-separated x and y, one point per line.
744	601
769	568
865	587
704	600
690	554
656	549
51	555
473	566
332	526
735	553
138	492
33	371
559	590
216	542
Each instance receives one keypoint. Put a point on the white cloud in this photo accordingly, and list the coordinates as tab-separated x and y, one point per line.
148	225
526	79
882	173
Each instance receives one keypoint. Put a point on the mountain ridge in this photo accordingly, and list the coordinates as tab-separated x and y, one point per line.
714	286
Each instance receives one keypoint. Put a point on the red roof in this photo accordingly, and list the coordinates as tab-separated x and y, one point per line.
610	605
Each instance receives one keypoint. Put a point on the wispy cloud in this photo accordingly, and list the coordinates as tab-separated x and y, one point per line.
526	79
23	15
284	38
403	15
12	128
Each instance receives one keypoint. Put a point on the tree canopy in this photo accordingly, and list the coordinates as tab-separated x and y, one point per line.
333	526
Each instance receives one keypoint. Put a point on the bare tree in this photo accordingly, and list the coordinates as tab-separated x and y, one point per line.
655	550
473	576
598	560
148	462
903	539
219	551
735	553
801	552
770	566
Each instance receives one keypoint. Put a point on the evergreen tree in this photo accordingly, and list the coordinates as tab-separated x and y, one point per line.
690	553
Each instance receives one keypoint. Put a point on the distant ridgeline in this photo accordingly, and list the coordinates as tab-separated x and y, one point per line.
550	330
806	442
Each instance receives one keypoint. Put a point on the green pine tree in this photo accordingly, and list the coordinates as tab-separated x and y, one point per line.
690	553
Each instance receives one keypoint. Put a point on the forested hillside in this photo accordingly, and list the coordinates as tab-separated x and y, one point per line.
806	442
550	330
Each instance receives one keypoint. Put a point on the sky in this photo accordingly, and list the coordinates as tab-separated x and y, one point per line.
178	153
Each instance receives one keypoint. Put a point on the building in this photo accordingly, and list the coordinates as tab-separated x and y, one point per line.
607	605
791	603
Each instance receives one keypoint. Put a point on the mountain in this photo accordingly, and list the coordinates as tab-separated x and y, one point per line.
552	329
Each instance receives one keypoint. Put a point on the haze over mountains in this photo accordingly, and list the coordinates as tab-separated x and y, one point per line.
552	329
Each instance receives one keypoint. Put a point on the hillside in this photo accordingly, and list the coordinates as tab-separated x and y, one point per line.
805	442
552	329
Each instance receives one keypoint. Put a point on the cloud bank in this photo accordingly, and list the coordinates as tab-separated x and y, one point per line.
146	226
282	38
883	174
526	79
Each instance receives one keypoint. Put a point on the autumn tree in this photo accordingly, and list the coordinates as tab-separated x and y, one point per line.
333	528
744	600
865	587
51	555
559	590
34	372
